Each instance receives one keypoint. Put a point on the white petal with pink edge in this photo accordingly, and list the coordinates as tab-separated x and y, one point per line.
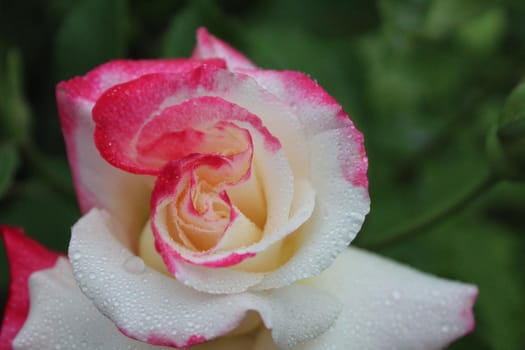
97	183
318	112
340	209
263	255
391	306
341	204
152	307
288	207
310	103
61	317
147	98
314	108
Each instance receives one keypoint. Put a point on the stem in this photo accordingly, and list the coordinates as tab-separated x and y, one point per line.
437	216
40	165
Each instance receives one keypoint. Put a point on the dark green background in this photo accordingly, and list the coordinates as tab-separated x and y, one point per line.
424	81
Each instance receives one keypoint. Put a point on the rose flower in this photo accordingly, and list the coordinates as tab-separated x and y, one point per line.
219	201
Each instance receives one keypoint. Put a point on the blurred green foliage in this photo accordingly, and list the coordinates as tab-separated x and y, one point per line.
423	79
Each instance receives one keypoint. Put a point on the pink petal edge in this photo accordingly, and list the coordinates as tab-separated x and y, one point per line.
161	340
468	313
91	86
318	112
138	100
25	257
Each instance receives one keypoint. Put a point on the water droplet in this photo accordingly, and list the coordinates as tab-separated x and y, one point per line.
134	264
396	295
76	256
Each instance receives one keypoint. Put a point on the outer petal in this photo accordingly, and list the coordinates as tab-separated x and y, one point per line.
152	307
391	306
25	258
209	46
97	183
93	84
340	209
61	317
318	112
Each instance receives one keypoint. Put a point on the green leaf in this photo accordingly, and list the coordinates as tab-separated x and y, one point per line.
8	166
94	32
15	114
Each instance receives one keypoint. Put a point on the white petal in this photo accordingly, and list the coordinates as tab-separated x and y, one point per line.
340	209
248	196
99	184
61	317
228	280
315	108
148	305
391	306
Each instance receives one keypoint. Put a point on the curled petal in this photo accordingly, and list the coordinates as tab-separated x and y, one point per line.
97	183
341	203
193	216
62	317
206	271
318	112
75	100
170	111
340	209
143	100
154	308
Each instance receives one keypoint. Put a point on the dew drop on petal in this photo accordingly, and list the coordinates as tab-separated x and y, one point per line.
134	265
396	295
76	256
